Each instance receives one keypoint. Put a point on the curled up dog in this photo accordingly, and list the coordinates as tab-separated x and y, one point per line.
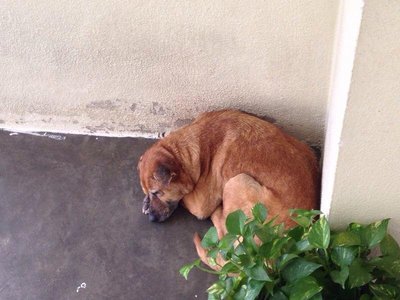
228	160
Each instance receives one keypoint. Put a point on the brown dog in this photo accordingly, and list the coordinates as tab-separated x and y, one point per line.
226	160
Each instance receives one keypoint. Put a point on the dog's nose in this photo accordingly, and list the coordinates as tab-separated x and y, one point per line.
153	218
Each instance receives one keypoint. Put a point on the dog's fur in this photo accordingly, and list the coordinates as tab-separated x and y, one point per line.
226	160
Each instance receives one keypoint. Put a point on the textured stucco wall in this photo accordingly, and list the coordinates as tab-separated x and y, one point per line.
137	67
367	179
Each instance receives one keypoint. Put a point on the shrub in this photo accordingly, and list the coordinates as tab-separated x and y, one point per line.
308	261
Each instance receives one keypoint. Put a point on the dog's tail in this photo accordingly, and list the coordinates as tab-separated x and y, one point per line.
202	253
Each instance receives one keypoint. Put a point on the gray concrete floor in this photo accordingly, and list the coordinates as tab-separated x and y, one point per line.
70	213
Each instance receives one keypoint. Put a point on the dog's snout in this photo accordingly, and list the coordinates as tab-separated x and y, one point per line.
153	218
157	210
146	205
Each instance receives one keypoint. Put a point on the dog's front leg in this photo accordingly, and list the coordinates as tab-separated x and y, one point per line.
218	220
201	204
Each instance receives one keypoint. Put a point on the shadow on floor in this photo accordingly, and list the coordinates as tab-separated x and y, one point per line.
70	213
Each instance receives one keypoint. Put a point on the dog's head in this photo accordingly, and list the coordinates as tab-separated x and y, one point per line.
164	182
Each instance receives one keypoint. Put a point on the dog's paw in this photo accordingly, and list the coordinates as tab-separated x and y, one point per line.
199	248
196	239
146	205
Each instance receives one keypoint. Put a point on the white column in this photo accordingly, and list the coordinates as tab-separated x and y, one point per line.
362	152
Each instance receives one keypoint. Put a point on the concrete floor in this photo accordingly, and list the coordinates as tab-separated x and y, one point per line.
70	213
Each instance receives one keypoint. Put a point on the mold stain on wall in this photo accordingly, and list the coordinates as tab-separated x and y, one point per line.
157	109
104	104
102	127
182	122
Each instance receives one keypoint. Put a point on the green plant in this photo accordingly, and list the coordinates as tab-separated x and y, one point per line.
308	261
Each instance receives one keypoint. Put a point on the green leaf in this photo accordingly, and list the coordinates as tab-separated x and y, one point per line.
238	281
374	233
365	297
239	250
342	256
235	222
346	238
273	249
213	297
341	276
316	297
296	233
259	212
218	288
320	235
213	253
302	220
279	296
239	295
246	260
389	246
227	242
355	227
304	245
254	288
269	287
229	286
184	271
286	289
303	217
305	288
248	241
258	273
210	239
390	265
251	226
284	260
359	273
299	268
384	291
267	232
229	267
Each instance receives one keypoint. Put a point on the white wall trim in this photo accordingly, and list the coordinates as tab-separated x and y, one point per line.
348	29
60	133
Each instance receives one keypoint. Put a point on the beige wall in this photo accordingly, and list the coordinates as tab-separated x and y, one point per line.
142	67
367	180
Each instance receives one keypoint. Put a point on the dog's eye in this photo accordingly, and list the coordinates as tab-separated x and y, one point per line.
156	193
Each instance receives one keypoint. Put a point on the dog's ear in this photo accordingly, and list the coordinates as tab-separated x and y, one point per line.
166	172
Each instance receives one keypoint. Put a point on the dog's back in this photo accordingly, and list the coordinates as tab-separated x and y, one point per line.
243	143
